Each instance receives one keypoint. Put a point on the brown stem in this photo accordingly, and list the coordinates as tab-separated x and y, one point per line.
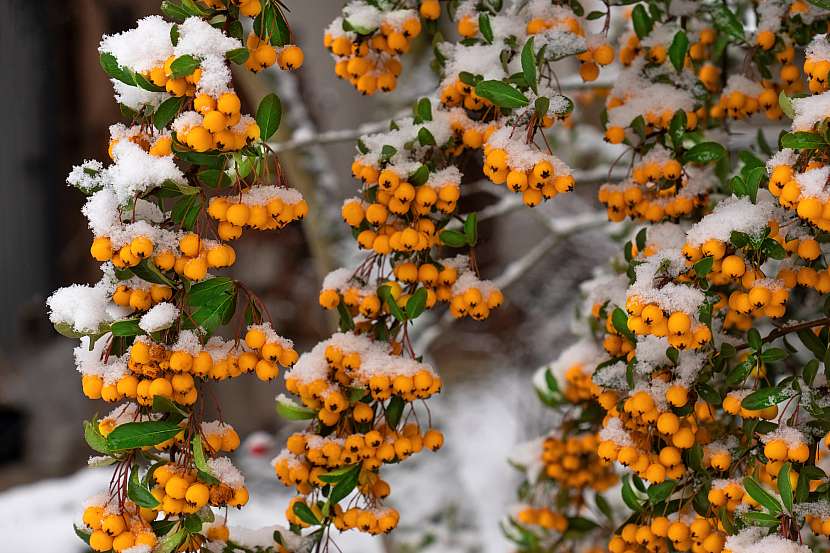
784	330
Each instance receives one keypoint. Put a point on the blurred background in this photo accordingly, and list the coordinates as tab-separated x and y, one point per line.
58	106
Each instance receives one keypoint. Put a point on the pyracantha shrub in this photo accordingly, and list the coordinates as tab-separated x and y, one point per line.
188	171
697	379
364	391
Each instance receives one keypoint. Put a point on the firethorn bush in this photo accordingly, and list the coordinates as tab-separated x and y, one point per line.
695	381
189	170
689	414
365	389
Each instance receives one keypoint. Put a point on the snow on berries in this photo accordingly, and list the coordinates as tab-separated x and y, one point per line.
368	40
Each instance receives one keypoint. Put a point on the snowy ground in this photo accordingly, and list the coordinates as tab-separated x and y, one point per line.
469	477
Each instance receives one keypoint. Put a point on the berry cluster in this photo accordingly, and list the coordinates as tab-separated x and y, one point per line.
367	42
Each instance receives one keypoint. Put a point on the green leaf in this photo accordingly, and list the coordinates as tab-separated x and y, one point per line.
139	493
162	404
186	211
642	22
471	229
771	355
289	410
184	65
385	294
677	50
704	153
346	320
66	329
212	303
215	178
753	181
604	506
305	514
726	21
147	270
82	533
738	186
268	115
786	104
541	106
739	239
167	111
171	541
387	152
127	327
95	439
172	189
677	128
785	487
501	94
660	492
704	266
394	410
765	397
344	486
708	393
111	67
142	82
629	496
174	11
638	125
423	109
551	382
802	140
581	524
528	59
238	55
453	238
193	524
280	32
809	372
485	28
337	475
813	343
762	496
773	249
695	457
620	321
741	371
205	473
761	519
753	337
640	239
468	78
210	159
425	137
132	435
420	176
416	304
